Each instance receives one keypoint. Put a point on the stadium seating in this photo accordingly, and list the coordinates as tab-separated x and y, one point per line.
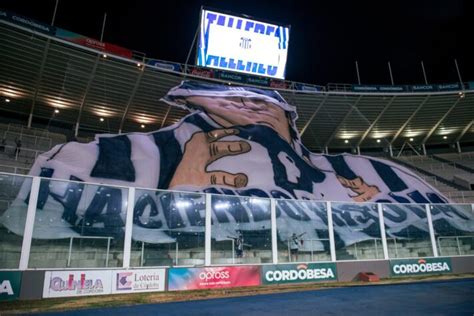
455	245
430	165
442	174
34	141
459	159
9	249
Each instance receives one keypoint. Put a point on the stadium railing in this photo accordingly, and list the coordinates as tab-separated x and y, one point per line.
38	232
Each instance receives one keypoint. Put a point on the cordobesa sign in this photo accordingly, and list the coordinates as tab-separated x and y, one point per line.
296	273
420	266
10	283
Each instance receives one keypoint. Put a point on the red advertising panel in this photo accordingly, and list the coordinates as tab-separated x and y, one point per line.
117	50
201	72
212	278
93	43
279	84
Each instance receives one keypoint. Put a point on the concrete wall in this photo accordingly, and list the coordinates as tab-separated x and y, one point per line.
32	285
347	271
463	264
32	281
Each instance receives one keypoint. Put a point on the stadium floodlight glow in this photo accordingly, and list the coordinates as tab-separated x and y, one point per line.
139	65
101	119
461	94
183	204
242	44
411	139
142	126
56	111
7	100
104	55
222	205
59	102
346	141
445	137
258	201
378	140
10	92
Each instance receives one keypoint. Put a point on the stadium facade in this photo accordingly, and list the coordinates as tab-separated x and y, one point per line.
96	87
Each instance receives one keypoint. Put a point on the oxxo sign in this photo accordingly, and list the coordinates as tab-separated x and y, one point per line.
9	285
296	273
420	266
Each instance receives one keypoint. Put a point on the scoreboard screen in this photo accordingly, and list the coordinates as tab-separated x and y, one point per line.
240	44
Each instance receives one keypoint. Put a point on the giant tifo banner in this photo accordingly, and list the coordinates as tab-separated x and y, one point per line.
212	278
237	43
236	141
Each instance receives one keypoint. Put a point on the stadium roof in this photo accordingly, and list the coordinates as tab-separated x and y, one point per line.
40	74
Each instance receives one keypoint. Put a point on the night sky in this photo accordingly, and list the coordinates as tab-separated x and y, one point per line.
326	37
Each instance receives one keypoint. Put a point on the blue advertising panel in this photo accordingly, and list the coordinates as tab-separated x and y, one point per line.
164	65
403	88
423	88
307	87
449	87
364	88
378	88
392	88
27	22
231	76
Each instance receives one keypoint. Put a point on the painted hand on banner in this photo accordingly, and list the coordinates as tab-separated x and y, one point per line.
364	191
202	150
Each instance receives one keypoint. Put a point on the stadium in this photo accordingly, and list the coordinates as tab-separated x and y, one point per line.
62	235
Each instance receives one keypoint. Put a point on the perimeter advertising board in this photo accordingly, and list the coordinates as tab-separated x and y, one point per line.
420	266
241	44
212	278
93	43
167	65
77	283
132	281
10	283
27	22
297	273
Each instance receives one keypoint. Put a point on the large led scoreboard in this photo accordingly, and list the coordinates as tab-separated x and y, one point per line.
241	44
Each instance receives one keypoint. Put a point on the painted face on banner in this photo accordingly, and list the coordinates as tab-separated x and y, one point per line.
241	111
292	172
